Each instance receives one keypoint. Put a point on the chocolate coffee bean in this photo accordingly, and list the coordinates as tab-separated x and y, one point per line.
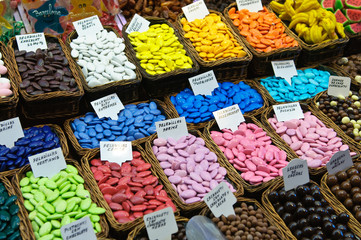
180	235
351	65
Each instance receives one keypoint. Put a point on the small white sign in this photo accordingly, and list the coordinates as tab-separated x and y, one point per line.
220	200
10	132
161	224
117	152
31	42
229	117
284	69
339	161
204	84
108	106
196	10
288	111
137	24
251	5
78	230
88	26
47	164
295	174
174	128
339	86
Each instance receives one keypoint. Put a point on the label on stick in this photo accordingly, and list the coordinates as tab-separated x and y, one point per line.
204	84
117	152
88	26
137	24
339	86
31	42
161	224
196	10
295	174
251	5
174	128
10	132
78	230
284	69
220	200
229	117
339	161
108	106
288	111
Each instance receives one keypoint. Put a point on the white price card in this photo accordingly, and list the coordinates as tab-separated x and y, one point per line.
220	200
78	230
284	69
137	24
31	42
174	128
339	161
88	27
288	111
196	10
10	132
295	174
229	117
204	84
339	86
161	224
117	152
47	164
251	5
108	106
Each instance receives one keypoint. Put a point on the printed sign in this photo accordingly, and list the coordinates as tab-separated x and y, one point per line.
31	42
78	230
229	117
137	24
204	84
284	69
220	200
108	106
161	224
251	5
88	26
118	152
339	86
196	10
295	174
339	161
288	111
174	128
10	132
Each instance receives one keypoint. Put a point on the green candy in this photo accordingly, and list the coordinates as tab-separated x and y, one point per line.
45	229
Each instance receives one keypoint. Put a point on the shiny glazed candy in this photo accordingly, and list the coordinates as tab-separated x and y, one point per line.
9	220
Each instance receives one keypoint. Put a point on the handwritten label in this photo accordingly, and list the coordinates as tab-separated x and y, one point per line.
174	128
137	24
108	106
78	230
31	42
47	164
251	5
161	224
117	152
220	200
229	117
196	10
204	84
288	111
295	174
284	69
10	132
88	26
338	86
339	161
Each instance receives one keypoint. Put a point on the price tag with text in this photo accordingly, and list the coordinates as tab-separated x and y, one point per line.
10	132
284	69
47	164
161	224
196	10
78	230
204	84
174	128
295	174
31	42
88	26
137	24
251	5
339	161
288	111
338	86
220	200
108	106
117	152
229	117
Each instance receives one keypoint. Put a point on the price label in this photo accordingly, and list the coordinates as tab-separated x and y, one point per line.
338	86
174	128
196	10
339	161
137	24
88	26
117	152
295	174
229	117
204	84
288	111
220	200
108	106
284	69
31	42
78	230
161	224
47	164
251	5
10	132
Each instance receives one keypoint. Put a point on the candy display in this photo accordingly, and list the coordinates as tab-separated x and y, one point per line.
5	87
351	65
180	235
9	220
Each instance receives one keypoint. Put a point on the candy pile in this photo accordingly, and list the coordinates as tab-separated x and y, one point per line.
5	87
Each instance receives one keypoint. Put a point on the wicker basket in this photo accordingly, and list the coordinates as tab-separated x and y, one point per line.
16	180
261	62
353	45
127	90
53	104
313	171
162	84
212	126
82	151
225	69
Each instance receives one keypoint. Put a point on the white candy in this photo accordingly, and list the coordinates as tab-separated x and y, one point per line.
74	53
129	65
93	82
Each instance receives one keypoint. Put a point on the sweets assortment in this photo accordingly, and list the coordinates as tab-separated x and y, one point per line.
351	65
5	87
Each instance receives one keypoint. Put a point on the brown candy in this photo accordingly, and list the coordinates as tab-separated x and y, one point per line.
351	64
180	235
